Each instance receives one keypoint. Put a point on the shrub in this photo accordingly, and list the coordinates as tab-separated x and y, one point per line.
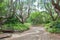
53	27
39	18
11	20
14	24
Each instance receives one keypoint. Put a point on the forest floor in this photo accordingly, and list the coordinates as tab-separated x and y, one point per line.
35	33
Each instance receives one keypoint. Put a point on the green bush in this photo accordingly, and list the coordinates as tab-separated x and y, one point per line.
53	27
39	18
11	20
16	26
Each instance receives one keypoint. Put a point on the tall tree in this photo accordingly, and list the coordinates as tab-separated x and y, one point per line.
50	9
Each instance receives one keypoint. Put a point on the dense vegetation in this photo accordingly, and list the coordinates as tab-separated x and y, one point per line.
39	17
14	25
17	15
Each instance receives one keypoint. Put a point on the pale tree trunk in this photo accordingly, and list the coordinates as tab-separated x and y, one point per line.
21	11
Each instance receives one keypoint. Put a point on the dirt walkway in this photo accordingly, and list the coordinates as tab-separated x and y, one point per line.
35	33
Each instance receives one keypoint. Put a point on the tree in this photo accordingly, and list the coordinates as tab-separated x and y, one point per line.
50	9
23	7
56	5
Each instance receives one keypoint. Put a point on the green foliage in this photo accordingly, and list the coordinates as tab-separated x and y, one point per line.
12	20
34	18
14	24
46	17
13	27
53	27
3	6
39	17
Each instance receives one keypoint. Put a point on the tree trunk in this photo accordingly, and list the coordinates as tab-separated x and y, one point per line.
56	6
